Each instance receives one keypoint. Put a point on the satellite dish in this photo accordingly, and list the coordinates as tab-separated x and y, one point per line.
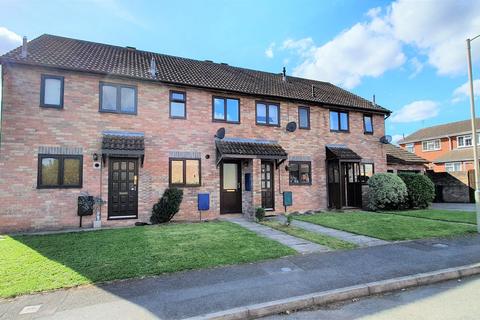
291	126
220	133
386	139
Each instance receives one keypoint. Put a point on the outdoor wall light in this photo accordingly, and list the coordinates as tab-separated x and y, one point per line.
95	157
207	156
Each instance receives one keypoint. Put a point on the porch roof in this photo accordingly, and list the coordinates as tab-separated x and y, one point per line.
123	143
341	152
236	148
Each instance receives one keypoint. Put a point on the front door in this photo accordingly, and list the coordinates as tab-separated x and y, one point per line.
123	188
230	187
268	195
351	186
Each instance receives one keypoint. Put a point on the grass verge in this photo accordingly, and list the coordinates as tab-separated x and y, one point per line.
442	215
332	243
34	263
389	227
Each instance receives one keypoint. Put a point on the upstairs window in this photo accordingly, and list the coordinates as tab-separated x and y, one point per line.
178	102
51	92
300	172
118	98
339	121
367	124
59	171
304	117
410	147
431	145
268	114
185	172
226	109
464	141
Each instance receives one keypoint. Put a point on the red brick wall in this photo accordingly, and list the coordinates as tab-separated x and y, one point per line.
26	126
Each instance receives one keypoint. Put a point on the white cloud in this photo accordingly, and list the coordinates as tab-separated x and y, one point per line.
463	92
8	40
438	29
417	67
365	50
416	111
269	50
396	138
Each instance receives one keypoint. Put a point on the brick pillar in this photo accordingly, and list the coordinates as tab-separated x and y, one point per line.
256	183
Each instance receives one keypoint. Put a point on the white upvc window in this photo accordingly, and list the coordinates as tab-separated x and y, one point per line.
464	141
410	147
453	166
431	145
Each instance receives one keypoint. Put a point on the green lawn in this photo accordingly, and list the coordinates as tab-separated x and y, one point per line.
36	263
332	243
443	215
388	226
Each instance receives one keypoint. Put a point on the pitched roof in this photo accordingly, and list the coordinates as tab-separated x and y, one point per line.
340	151
397	155
250	148
459	154
119	142
71	54
440	131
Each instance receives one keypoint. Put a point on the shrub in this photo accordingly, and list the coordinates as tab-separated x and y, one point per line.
387	191
421	190
260	214
167	206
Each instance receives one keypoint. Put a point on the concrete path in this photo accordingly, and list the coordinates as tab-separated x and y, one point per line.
297	244
442	301
361	241
187	294
454	206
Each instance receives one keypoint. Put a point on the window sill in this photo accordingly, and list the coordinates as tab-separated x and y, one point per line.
267	125
118	112
51	106
340	131
225	121
178	118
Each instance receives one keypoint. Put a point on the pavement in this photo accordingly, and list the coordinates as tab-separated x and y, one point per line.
454	206
300	245
194	293
455	299
360	240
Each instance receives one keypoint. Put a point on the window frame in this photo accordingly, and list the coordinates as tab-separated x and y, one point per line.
453	163
469	136
408	145
309	173
225	110
42	91
184	184
362	171
308	117
339	121
118	87
367	115
434	149
184	101
61	158
267	111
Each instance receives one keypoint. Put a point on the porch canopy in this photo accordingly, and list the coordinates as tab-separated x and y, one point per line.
123	144
341	152
238	148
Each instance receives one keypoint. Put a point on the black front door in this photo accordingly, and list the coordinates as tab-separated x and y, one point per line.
230	187
268	195
122	188
351	184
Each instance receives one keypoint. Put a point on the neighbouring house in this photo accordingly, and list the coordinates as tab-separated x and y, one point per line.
448	147
402	161
126	124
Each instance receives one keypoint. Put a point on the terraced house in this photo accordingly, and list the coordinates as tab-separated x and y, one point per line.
125	124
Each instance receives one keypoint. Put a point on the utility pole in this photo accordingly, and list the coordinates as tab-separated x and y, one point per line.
474	132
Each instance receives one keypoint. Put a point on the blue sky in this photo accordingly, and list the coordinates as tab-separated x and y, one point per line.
411	55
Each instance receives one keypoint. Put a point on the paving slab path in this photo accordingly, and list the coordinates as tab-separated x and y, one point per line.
297	244
361	241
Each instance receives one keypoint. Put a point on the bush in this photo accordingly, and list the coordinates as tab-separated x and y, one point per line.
421	190
387	191
260	214
167	206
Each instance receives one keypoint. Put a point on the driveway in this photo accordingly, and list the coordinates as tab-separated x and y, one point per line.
454	206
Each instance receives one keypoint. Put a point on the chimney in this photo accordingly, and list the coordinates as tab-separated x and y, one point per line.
373	101
284	74
24	48
153	68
